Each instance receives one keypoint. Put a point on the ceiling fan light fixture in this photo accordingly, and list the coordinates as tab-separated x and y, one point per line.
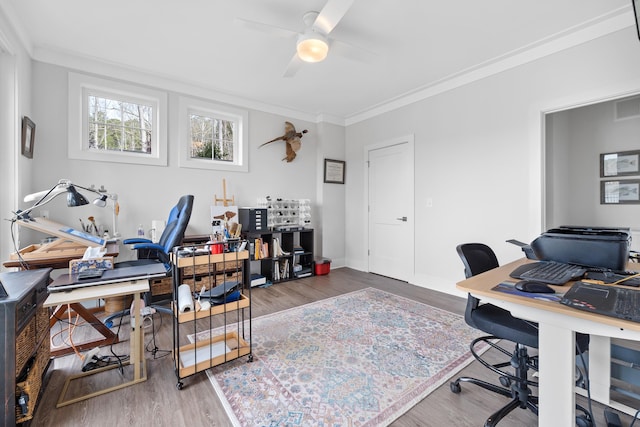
312	47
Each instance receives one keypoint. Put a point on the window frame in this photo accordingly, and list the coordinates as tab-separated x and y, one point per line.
188	106
80	86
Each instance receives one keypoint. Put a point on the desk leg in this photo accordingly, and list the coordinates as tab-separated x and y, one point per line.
557	376
137	342
136	358
600	368
109	336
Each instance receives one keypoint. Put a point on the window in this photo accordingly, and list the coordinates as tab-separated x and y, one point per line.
117	125
116	122
212	136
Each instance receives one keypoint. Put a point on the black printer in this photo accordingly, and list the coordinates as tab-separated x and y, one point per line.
599	247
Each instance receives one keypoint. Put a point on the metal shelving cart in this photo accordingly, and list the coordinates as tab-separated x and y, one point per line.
206	338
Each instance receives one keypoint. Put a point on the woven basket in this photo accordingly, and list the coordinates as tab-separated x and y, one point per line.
33	384
211	281
216	267
162	286
25	345
117	304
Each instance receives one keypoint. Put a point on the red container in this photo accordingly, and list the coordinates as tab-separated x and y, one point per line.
323	266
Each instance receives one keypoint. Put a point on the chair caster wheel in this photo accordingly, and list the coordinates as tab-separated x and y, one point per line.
455	387
180	385
505	381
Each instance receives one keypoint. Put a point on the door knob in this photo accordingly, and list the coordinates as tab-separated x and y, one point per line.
403	219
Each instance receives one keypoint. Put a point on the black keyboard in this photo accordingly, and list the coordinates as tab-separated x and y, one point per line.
554	273
628	305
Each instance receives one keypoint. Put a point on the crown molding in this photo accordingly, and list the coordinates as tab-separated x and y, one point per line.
612	22
143	77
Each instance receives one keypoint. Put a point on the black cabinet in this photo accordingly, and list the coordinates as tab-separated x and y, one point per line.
281	255
24	333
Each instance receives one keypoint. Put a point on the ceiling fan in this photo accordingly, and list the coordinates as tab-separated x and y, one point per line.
314	42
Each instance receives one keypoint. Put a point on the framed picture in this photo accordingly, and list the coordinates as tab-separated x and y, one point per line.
620	192
620	163
334	171
28	136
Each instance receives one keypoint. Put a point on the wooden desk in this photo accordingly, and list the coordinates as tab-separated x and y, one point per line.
136	358
557	327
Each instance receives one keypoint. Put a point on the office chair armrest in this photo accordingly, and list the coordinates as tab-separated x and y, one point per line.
134	240
148	245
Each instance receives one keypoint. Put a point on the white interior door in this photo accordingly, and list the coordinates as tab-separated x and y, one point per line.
390	188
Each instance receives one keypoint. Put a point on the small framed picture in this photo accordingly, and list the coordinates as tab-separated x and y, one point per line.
28	136
620	164
334	171
626	191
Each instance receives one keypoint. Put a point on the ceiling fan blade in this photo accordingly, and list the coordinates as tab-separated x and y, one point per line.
331	14
294	65
266	28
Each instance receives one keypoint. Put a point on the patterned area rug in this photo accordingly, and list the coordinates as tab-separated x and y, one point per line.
359	359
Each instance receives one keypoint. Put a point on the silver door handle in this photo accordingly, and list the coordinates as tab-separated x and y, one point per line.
403	219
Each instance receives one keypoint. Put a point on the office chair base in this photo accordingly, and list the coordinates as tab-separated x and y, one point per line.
519	358
515	386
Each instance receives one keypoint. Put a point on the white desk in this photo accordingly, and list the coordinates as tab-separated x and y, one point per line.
557	327
136	358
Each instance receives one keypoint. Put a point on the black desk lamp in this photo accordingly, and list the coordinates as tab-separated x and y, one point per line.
74	198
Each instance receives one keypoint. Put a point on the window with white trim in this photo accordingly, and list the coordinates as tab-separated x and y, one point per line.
212	136
116	122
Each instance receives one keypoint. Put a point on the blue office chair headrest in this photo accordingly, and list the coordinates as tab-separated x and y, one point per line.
177	223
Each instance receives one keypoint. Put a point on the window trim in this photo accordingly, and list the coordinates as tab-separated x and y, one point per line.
187	106
79	87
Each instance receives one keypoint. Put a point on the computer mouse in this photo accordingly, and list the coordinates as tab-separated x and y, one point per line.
534	287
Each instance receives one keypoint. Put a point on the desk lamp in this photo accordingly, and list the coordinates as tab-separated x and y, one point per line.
74	198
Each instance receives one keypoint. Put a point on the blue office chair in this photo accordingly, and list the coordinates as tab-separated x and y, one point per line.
149	252
172	236
501	325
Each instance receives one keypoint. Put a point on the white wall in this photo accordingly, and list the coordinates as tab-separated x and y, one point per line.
15	102
331	196
148	192
479	153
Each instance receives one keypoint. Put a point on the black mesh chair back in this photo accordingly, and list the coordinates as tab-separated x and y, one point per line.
477	258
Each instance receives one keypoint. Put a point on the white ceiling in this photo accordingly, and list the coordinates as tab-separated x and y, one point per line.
417	43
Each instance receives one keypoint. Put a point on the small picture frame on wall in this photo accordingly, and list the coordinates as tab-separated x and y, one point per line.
28	136
334	171
626	191
621	163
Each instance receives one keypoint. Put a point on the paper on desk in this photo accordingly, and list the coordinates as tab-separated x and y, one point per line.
94	252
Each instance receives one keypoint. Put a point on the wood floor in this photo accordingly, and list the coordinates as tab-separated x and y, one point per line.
158	402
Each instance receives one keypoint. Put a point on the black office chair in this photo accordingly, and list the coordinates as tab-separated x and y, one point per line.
501	325
149	252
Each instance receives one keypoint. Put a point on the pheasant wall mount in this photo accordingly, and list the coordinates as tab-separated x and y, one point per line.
292	138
